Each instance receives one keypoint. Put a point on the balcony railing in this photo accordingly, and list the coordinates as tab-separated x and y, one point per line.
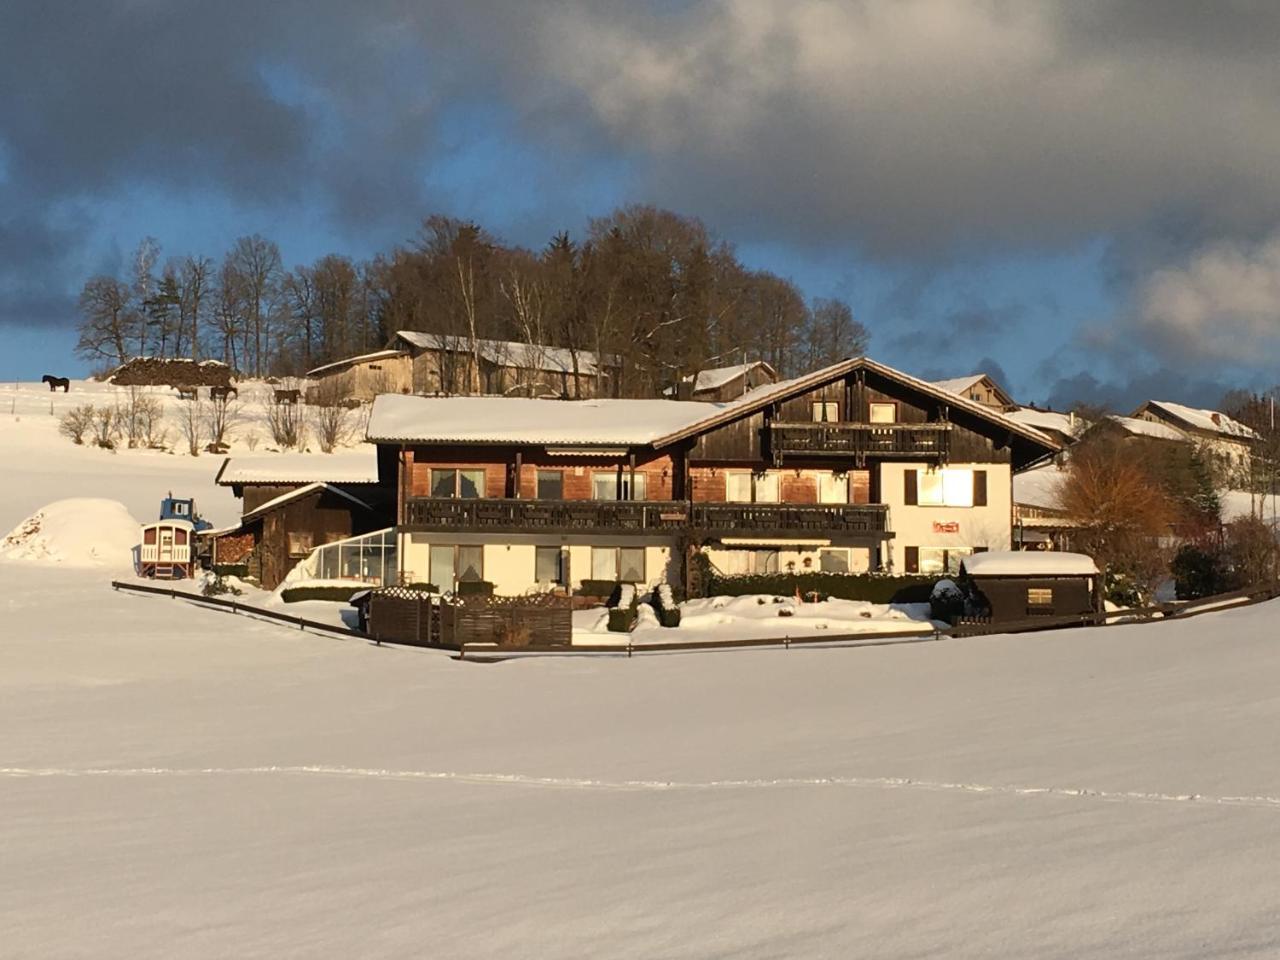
861	440
641	516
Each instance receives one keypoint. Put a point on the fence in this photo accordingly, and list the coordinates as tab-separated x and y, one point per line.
438	631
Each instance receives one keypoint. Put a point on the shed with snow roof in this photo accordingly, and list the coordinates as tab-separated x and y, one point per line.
1013	585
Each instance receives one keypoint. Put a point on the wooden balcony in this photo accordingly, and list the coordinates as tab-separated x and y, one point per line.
613	517
860	441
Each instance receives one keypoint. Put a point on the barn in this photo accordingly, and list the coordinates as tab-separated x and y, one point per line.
293	503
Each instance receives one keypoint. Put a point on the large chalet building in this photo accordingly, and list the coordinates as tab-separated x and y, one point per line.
853	467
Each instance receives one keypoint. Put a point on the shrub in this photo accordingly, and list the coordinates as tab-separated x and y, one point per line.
474	588
872	588
77	422
422	587
664	605
105	427
624	608
946	602
597	588
1198	572
239	570
215	586
334	594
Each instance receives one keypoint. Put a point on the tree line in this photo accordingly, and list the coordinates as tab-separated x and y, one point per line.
655	290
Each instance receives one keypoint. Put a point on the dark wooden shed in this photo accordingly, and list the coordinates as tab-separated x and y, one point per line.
1018	585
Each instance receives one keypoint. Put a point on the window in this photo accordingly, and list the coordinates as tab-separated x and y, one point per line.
550	485
1040	599
180	537
454	482
833	561
300	543
605	486
738	487
766	488
548	565
826	411
149	536
624	564
179	509
450	564
882	412
833	488
935	560
945	488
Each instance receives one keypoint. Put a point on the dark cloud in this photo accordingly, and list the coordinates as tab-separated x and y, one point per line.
1124	396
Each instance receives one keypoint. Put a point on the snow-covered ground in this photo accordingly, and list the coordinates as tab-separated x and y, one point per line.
755	617
181	782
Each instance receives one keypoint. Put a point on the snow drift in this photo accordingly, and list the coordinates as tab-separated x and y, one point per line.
79	532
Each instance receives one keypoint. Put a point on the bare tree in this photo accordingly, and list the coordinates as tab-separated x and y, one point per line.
194	278
107	321
105	427
77	422
139	415
330	416
284	422
222	415
191	423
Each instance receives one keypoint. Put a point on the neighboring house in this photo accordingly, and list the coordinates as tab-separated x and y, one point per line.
979	388
1065	428
1227	442
722	384
445	364
1039	522
435	363
853	467
293	503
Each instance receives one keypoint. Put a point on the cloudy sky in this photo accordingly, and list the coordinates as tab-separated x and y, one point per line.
1082	196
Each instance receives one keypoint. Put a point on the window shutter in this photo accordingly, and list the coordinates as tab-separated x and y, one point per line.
913	554
979	488
910	496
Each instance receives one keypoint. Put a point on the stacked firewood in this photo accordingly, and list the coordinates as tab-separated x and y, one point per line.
154	371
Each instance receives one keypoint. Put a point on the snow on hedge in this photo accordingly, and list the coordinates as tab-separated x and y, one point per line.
81	531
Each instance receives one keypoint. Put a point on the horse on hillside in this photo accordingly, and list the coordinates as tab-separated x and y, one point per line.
223	393
56	382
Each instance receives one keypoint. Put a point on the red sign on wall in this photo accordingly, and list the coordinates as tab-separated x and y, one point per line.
949	526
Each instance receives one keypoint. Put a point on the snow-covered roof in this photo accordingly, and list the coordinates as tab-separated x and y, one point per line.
714	377
397	418
600	422
506	353
352	361
1046	420
1149	428
1024	563
359	465
959	385
1038	487
310	488
1210	421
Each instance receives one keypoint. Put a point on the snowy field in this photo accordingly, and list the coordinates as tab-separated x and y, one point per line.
179	782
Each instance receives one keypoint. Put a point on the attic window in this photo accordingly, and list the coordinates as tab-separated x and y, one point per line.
826	411
883	412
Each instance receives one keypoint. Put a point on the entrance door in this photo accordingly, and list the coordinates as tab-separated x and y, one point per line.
166	546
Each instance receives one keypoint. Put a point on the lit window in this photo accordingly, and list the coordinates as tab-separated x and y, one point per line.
833	488
624	564
883	412
300	543
1039	596
738	487
767	488
826	411
947	487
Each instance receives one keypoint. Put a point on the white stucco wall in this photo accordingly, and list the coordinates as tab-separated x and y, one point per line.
724	557
988	526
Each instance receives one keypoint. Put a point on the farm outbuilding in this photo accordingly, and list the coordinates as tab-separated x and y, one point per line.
1018	585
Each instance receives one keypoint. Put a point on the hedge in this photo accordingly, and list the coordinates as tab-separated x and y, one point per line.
873	588
597	588
624	608
338	594
474	588
240	570
664	605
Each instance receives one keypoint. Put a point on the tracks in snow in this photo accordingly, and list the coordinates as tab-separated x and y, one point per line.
576	783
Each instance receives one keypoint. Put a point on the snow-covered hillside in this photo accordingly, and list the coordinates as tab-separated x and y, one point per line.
180	782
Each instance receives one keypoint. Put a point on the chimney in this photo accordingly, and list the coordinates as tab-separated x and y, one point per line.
684	389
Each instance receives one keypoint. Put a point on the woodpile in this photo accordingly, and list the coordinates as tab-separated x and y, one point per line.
156	372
